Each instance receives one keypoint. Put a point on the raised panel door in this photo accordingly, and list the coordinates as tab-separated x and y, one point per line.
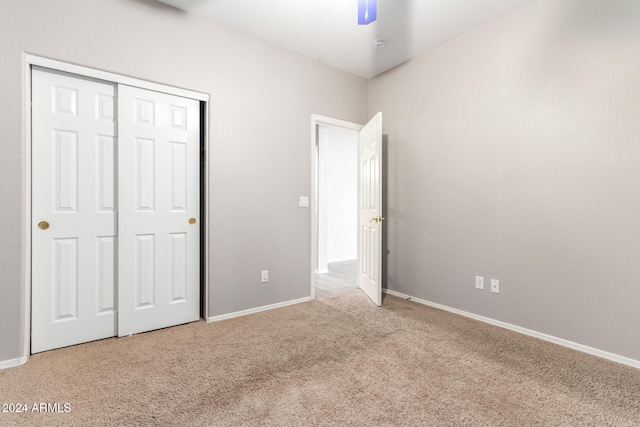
159	210
73	210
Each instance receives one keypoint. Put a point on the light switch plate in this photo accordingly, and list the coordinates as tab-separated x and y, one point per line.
304	201
479	282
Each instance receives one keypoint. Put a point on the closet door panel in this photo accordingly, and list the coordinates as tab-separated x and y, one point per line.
159	206
73	210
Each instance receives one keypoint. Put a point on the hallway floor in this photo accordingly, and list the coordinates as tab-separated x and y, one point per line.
342	277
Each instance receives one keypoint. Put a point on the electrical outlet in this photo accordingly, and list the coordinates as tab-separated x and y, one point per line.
479	282
265	276
495	286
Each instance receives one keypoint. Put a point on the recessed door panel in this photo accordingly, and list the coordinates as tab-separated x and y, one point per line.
104	110
145	174
66	170
145	112
179	173
145	270
65	279
372	251
106	170
178	117
179	272
106	275
65	100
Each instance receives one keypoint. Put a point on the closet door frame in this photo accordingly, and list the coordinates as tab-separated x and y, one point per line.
30	60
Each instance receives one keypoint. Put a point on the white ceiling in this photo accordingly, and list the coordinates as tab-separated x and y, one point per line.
328	30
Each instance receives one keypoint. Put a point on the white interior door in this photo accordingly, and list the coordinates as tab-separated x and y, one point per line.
370	210
73	210
159	209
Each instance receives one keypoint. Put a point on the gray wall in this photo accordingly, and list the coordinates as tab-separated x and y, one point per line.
262	98
514	153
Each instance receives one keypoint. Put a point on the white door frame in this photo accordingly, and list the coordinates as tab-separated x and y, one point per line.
313	202
30	60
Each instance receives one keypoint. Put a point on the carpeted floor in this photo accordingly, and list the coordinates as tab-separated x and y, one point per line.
334	361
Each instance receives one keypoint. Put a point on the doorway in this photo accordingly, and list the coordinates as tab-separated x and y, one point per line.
117	207
369	201
335	201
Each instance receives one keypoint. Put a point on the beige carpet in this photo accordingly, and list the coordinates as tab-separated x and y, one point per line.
335	361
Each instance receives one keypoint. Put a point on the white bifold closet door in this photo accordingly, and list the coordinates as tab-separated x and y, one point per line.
115	210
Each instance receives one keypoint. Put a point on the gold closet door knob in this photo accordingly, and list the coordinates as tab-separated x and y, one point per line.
192	221
376	219
43	225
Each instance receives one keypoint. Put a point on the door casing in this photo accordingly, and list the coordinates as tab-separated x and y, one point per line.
30	60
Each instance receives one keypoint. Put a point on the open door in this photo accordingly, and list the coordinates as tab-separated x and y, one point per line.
370	210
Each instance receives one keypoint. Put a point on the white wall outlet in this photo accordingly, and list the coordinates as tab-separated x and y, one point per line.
265	276
495	286
479	282
337	243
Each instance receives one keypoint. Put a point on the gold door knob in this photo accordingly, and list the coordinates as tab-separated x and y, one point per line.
192	221
43	225
376	219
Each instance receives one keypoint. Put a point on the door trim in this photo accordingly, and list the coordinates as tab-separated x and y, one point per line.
313	208
30	60
112	77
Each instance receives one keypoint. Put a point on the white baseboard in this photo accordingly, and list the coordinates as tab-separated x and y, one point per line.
349	258
5	364
550	338
323	271
256	309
